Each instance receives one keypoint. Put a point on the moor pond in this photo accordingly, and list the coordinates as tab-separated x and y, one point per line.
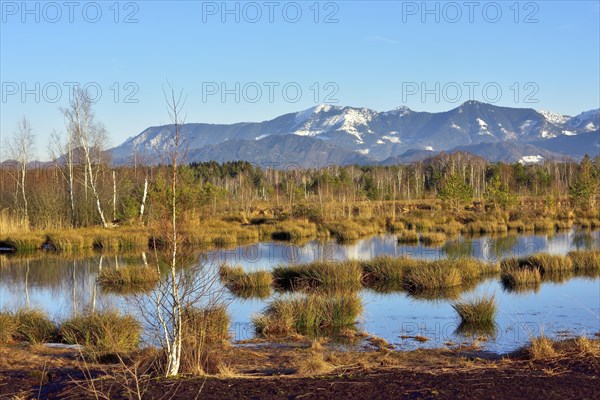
64	284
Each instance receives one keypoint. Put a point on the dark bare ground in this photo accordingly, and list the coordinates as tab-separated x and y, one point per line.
269	373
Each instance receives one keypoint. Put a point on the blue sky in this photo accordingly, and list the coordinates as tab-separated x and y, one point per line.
381	55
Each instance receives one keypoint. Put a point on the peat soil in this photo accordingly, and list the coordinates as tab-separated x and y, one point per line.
32	372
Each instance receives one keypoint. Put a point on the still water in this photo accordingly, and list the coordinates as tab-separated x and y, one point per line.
64	285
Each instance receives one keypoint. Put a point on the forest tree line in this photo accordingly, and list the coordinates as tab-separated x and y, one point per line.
49	196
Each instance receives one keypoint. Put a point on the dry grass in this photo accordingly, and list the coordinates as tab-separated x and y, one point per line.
405	236
431	276
203	329
129	278
520	278
338	275
432	238
34	326
587	347
541	348
238	280
313	364
585	260
477	311
8	327
103	333
312	315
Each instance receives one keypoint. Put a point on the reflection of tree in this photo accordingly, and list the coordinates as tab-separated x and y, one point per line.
503	245
459	248
582	240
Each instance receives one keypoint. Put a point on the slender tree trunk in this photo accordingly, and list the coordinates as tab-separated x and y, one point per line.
114	196
143	205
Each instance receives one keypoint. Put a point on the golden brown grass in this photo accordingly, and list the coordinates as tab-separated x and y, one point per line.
541	348
313	364
130	278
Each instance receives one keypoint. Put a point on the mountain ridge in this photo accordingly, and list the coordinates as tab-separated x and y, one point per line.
367	136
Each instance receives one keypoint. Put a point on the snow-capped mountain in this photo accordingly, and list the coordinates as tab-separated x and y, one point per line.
377	136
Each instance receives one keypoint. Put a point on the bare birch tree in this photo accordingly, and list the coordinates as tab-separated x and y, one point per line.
91	137
61	152
20	149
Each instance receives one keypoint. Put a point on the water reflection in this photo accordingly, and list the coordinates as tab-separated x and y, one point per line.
64	285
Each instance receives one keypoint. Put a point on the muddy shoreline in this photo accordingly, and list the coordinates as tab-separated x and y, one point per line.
270	372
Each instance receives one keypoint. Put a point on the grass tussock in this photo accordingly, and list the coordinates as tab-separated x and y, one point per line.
521	272
431	276
128	278
584	260
102	333
517	279
238	280
541	348
543	225
311	315
34	326
210	324
341	275
203	329
313	364
384	271
27	325
8	327
432	238
477	311
347	231
408	237
289	230
587	347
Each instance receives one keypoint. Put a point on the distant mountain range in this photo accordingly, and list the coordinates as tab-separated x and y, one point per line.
346	135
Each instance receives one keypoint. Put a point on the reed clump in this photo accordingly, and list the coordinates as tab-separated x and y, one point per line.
384	271
432	238
406	236
203	330
541	348
8	327
34	326
313	364
519	272
103	333
342	275
289	230
129	278
518	279
431	276
477	311
585	260
246	284
235	276
310	315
